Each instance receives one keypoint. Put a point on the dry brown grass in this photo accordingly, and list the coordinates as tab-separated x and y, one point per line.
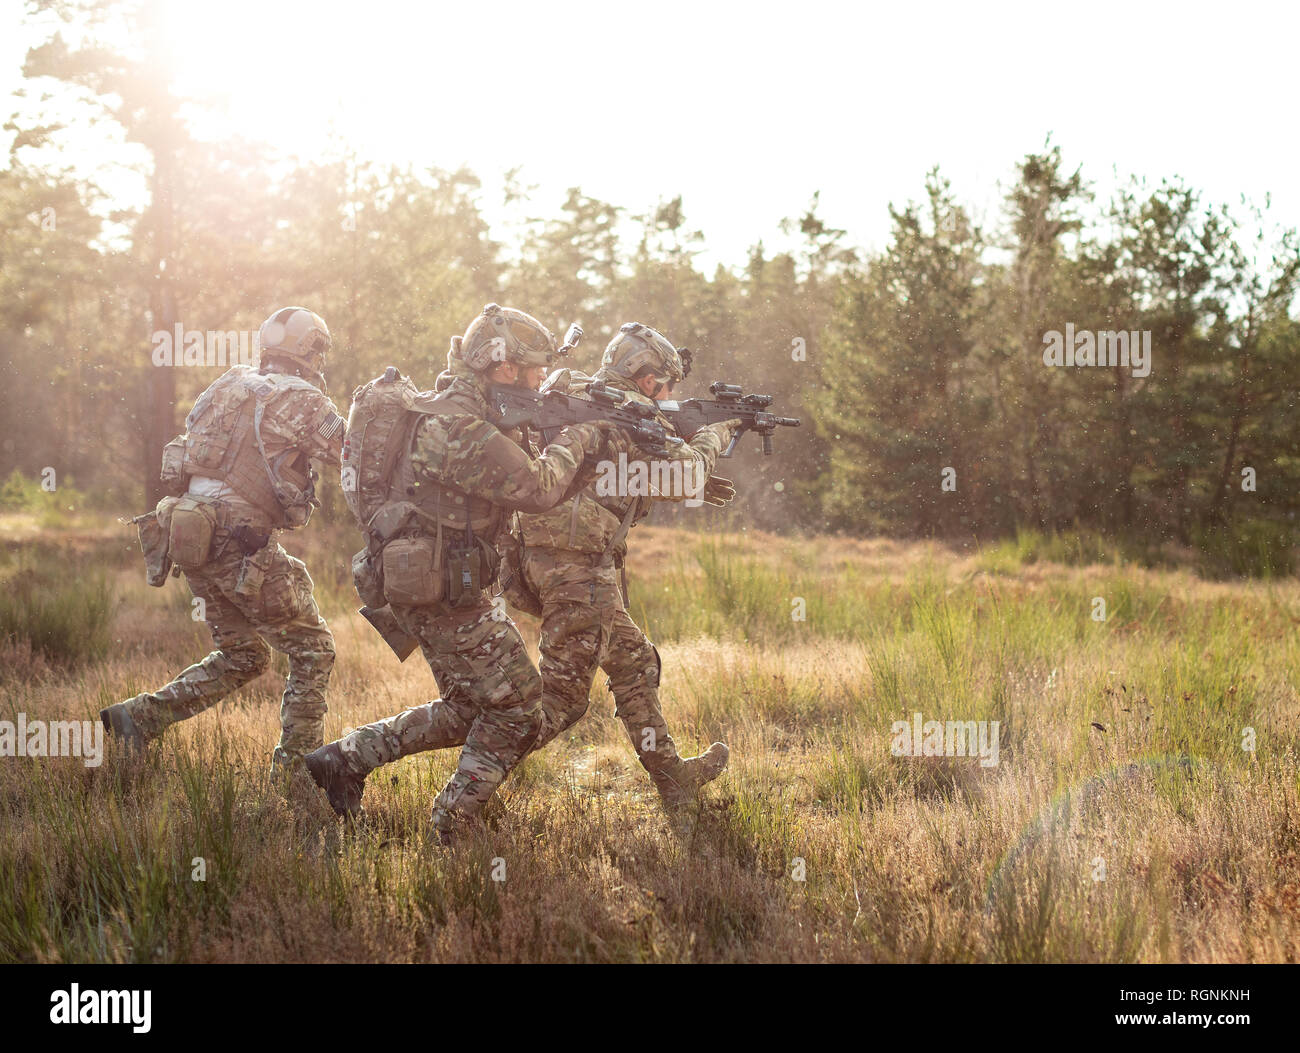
909	859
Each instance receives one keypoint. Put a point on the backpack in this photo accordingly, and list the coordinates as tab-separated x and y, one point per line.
381	424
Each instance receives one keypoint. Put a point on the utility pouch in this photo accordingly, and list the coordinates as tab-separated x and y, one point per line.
153	543
286	588
190	536
173	476
367	577
252	572
411	572
465	576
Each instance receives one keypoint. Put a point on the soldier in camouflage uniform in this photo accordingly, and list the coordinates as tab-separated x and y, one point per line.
466	477
243	470
572	560
570	576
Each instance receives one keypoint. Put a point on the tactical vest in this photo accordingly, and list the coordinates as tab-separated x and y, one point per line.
441	502
223	440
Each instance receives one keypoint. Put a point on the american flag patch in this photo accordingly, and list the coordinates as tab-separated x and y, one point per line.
329	427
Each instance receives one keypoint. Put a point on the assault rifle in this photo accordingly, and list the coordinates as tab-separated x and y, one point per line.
550	411
728	403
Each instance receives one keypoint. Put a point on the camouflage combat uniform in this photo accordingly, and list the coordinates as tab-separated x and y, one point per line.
571	577
572	561
459	468
227	476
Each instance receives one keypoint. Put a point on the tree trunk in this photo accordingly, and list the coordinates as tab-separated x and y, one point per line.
160	414
1216	514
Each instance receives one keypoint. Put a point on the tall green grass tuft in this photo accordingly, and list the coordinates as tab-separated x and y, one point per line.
1256	549
58	609
719	592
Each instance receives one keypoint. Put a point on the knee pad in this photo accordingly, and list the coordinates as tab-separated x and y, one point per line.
639	668
563	710
251	657
326	652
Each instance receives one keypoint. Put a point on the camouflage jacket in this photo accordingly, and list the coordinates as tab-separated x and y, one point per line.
458	450
628	480
307	420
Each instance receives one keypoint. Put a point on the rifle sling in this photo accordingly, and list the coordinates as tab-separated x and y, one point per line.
573	520
623	527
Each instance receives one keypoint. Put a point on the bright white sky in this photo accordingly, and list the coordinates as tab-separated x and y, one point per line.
747	108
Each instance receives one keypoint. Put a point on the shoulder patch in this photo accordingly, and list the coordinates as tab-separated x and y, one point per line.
330	426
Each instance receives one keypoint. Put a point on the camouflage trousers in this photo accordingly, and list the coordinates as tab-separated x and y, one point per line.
491	693
585	626
283	615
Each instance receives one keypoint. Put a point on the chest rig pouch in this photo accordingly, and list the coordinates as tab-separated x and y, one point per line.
420	570
467	574
411	572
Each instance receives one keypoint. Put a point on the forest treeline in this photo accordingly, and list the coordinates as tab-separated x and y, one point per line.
919	370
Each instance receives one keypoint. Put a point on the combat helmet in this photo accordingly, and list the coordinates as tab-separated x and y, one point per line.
504	334
637	348
298	335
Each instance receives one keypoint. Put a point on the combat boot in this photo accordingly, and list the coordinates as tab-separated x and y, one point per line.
441	832
117	721
341	784
678	784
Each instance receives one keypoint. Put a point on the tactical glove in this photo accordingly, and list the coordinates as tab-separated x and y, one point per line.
718	491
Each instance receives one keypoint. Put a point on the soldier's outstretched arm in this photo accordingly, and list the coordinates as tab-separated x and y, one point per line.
698	456
709	442
474	456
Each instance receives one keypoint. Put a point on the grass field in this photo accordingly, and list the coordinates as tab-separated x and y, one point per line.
1124	820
